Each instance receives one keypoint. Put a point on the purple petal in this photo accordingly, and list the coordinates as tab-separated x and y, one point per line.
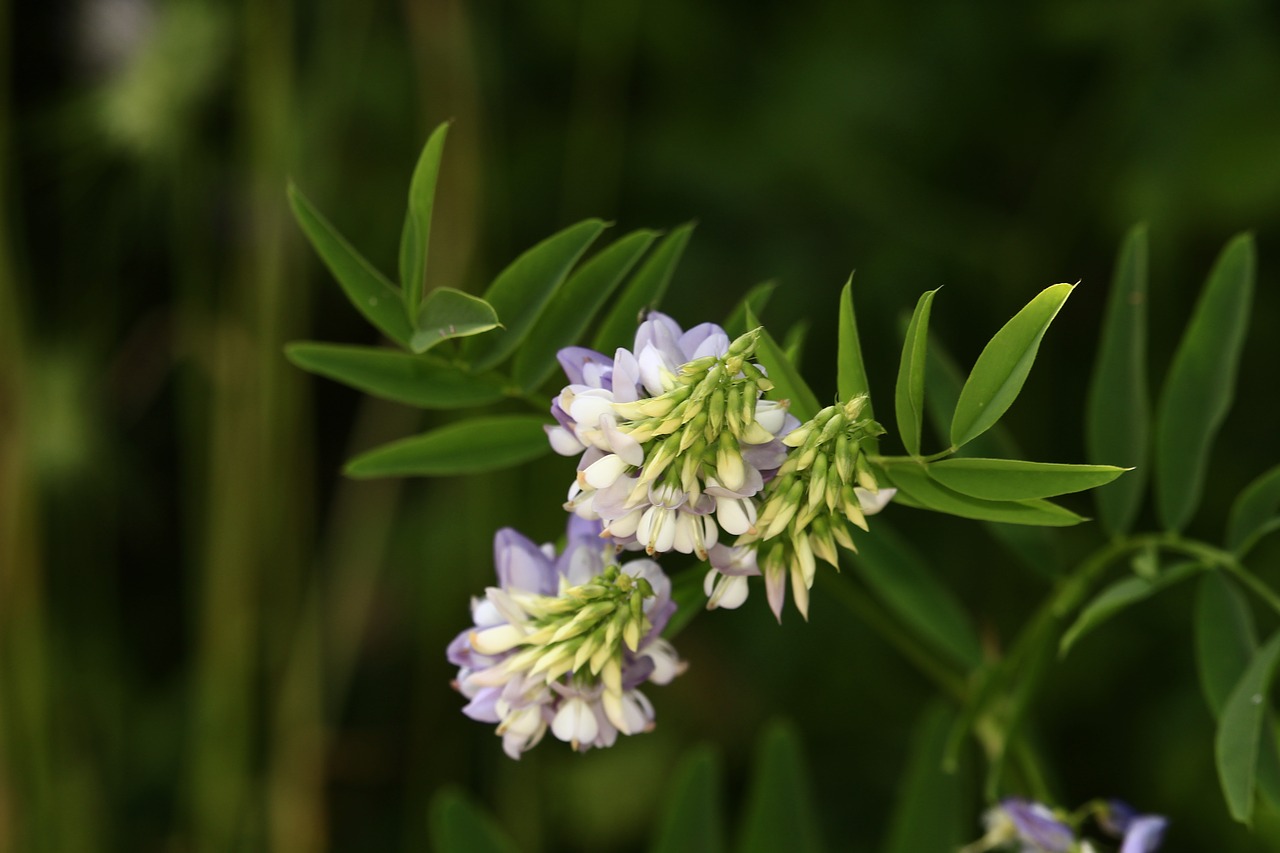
482	706
702	340
582	365
521	564
1144	834
1035	823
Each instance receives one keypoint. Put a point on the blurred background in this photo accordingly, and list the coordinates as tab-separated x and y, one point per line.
211	640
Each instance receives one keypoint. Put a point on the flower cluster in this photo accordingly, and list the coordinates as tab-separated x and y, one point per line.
1031	827
564	642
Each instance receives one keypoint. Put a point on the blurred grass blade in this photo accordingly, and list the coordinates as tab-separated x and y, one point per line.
1225	637
373	296
756	299
522	290
465	447
851	372
415	238
457	826
566	318
1253	510
916	483
1017	480
1120	596
1117	416
1002	368
788	384
692	821
447	313
780	813
908	395
397	376
644	292
1201	383
929	811
793	342
1239	737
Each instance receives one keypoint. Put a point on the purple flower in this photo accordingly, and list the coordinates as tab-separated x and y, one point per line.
1141	833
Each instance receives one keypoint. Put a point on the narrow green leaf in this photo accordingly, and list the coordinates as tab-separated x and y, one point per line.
1120	596
1225	637
780	813
915	482
1017	480
690	599
373	296
522	290
566	318
909	392
447	313
851	372
1239	735
1002	368
1254	511
1117	409
756	299
908	586
465	447
793	342
643	293
1201	383
458	826
397	376
415	238
928	813
691	821
788	384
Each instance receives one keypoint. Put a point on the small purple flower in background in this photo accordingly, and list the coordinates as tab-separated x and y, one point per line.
1141	833
1030	827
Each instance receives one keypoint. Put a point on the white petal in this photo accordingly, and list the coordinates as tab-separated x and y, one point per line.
731	592
621	443
601	473
587	408
873	502
575	722
564	442
496	640
735	516
770	415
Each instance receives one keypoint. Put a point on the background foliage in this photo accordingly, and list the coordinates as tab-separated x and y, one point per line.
209	638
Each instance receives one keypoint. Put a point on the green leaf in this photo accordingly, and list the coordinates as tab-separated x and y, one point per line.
851	372
691	821
565	319
690	599
1201	383
465	447
912	479
643	293
1120	596
1117	409
929	812
756	299
1225	638
909	392
449	313
457	826
1016	480
1002	368
397	376
780	814
373	296
522	290
1254	511
1239	735
415	238
793	342
788	384
907	585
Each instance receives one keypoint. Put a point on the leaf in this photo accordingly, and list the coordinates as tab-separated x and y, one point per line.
788	384
756	299
851	372
909	392
1120	596
912	479
779	814
643	293
397	376
907	585
691	821
793	343
465	447
928	813
415	238
1239	735
1201	383
373	296
522	290
1225	638
1254	511
1002	368
1017	480
566	318
690	599
457	826
449	313
1117	412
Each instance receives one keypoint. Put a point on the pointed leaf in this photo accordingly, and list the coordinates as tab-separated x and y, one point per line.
851	372
929	812
788	384
522	290
465	447
1201	383
1002	368
756	299
643	293
780	814
1254	511
398	376
1016	480
566	318
915	482
1117	410
447	313
415	238
1225	637
457	826
1120	596
691	821
1239	738
909	392
373	296
793	343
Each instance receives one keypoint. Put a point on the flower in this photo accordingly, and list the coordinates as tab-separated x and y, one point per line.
1034	827
1141	833
564	642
